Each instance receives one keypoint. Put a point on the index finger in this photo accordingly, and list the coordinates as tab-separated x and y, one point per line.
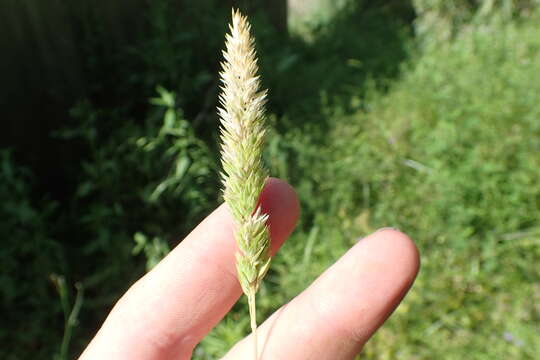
168	311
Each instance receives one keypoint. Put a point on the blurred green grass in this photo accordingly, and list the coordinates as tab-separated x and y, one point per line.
423	115
449	155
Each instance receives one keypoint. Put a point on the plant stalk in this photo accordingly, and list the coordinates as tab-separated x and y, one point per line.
253	317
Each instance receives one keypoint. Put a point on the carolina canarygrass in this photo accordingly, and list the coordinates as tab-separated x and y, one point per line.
242	134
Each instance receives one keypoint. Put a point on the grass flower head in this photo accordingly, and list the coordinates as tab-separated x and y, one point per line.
243	131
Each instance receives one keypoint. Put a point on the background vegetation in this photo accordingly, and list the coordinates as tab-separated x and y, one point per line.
423	115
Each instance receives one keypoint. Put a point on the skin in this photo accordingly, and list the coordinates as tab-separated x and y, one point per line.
169	310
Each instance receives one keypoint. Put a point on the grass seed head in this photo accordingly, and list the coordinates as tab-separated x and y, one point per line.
243	131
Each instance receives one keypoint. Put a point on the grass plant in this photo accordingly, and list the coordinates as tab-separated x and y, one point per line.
242	134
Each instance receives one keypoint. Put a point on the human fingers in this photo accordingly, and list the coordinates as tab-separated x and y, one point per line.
341	310
168	311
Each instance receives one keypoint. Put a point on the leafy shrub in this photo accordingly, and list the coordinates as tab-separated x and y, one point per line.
149	183
29	254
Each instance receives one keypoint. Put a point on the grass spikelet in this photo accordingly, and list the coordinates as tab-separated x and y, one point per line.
243	131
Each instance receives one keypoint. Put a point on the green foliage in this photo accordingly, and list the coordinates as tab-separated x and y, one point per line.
450	156
166	166
457	150
71	313
153	250
306	79
437	135
121	169
28	255
440	20
148	181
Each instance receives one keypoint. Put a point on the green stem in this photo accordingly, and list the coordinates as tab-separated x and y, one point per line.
253	317
71	318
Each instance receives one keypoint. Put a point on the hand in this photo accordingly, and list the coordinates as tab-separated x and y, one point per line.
168	311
